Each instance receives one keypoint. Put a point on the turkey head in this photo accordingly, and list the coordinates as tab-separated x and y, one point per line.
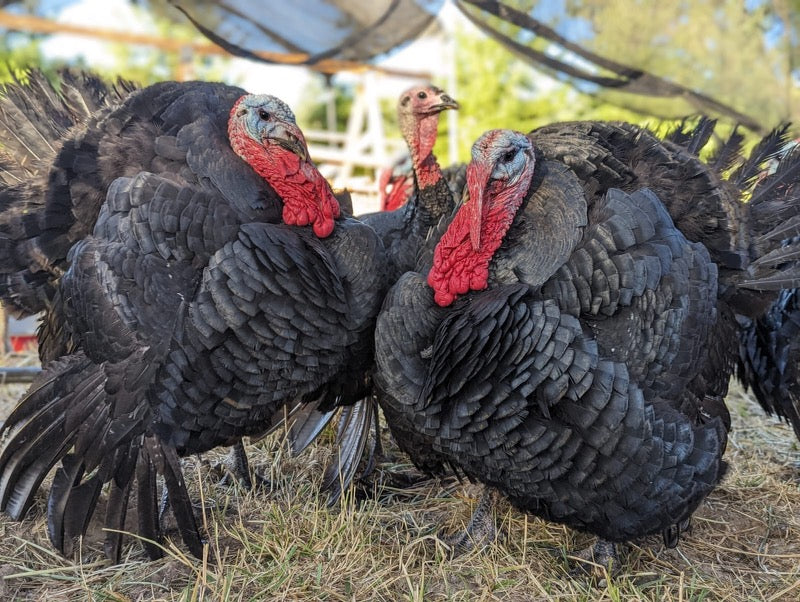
498	179
263	132
418	115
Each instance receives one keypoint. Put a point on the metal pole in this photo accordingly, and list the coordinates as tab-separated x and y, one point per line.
21	374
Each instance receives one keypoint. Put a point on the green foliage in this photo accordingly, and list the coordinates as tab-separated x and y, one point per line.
493	90
740	53
498	90
313	110
141	64
16	52
733	51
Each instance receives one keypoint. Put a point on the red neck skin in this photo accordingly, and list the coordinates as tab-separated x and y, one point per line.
421	136
307	197
457	267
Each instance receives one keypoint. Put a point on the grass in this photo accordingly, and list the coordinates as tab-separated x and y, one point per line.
285	544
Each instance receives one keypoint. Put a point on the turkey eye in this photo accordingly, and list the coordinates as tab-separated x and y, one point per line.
263	114
422	95
508	156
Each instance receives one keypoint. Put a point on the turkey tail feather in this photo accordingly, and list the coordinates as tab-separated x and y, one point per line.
166	461
351	438
774	214
769	147
726	155
35	120
35	115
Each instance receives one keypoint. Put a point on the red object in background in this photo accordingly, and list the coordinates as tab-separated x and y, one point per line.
23	343
22	333
395	184
401	189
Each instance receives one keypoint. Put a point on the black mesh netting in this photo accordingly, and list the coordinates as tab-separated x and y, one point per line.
351	30
308	32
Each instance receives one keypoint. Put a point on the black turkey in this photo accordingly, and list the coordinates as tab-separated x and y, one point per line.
769	356
562	343
745	239
202	279
403	232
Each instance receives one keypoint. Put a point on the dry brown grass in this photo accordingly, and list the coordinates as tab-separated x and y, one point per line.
286	545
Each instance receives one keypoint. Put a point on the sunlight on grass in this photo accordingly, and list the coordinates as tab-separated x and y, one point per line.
285	544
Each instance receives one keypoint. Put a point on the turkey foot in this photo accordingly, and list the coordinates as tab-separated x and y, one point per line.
237	466
481	530
598	560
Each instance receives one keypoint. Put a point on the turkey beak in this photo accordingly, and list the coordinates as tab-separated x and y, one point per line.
445	102
477	180
288	135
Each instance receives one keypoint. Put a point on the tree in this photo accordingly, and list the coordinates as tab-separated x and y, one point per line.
141	64
498	90
726	57
725	48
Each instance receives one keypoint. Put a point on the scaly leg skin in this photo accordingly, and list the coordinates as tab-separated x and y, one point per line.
481	530
164	503
236	465
598	560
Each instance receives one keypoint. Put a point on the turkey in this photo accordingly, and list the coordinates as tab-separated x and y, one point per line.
769	356
36	235
562	341
38	225
203	280
743	238
395	184
404	230
403	233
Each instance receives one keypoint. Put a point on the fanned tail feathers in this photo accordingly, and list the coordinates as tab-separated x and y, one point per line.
66	416
35	118
767	182
767	148
775	222
694	139
723	158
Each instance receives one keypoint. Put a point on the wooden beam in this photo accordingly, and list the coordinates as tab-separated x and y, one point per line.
33	24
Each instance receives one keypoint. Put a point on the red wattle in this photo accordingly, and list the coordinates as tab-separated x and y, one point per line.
307	196
457	267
